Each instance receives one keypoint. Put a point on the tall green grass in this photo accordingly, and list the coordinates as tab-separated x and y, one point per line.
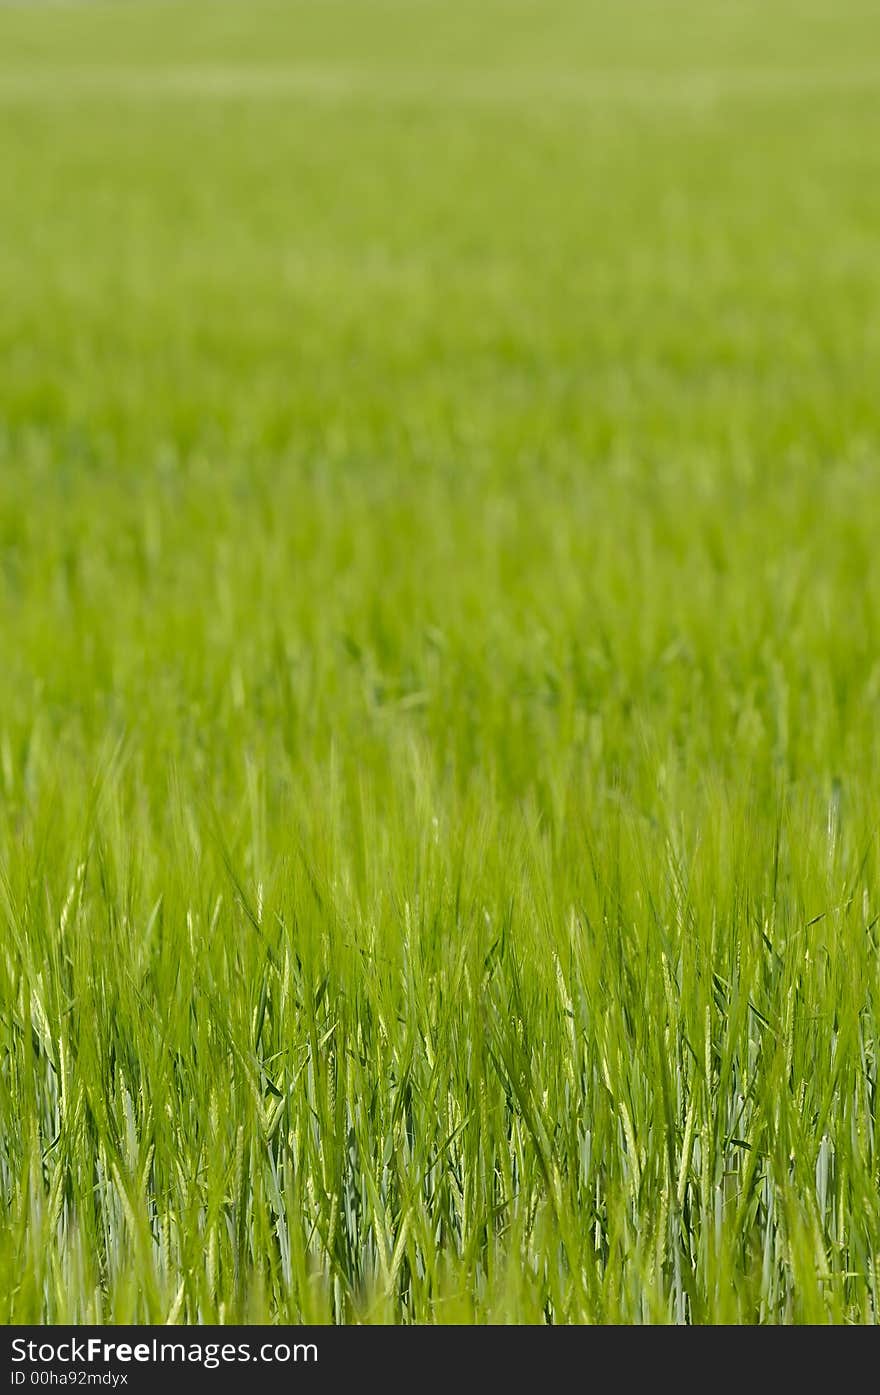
439	669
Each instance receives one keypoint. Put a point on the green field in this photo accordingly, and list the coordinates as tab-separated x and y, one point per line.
440	661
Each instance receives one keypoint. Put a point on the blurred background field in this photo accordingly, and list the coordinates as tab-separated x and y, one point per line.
439	667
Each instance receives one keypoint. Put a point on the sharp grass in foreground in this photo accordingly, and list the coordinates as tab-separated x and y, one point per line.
439	664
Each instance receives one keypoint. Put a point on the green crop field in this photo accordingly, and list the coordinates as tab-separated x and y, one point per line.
440	661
